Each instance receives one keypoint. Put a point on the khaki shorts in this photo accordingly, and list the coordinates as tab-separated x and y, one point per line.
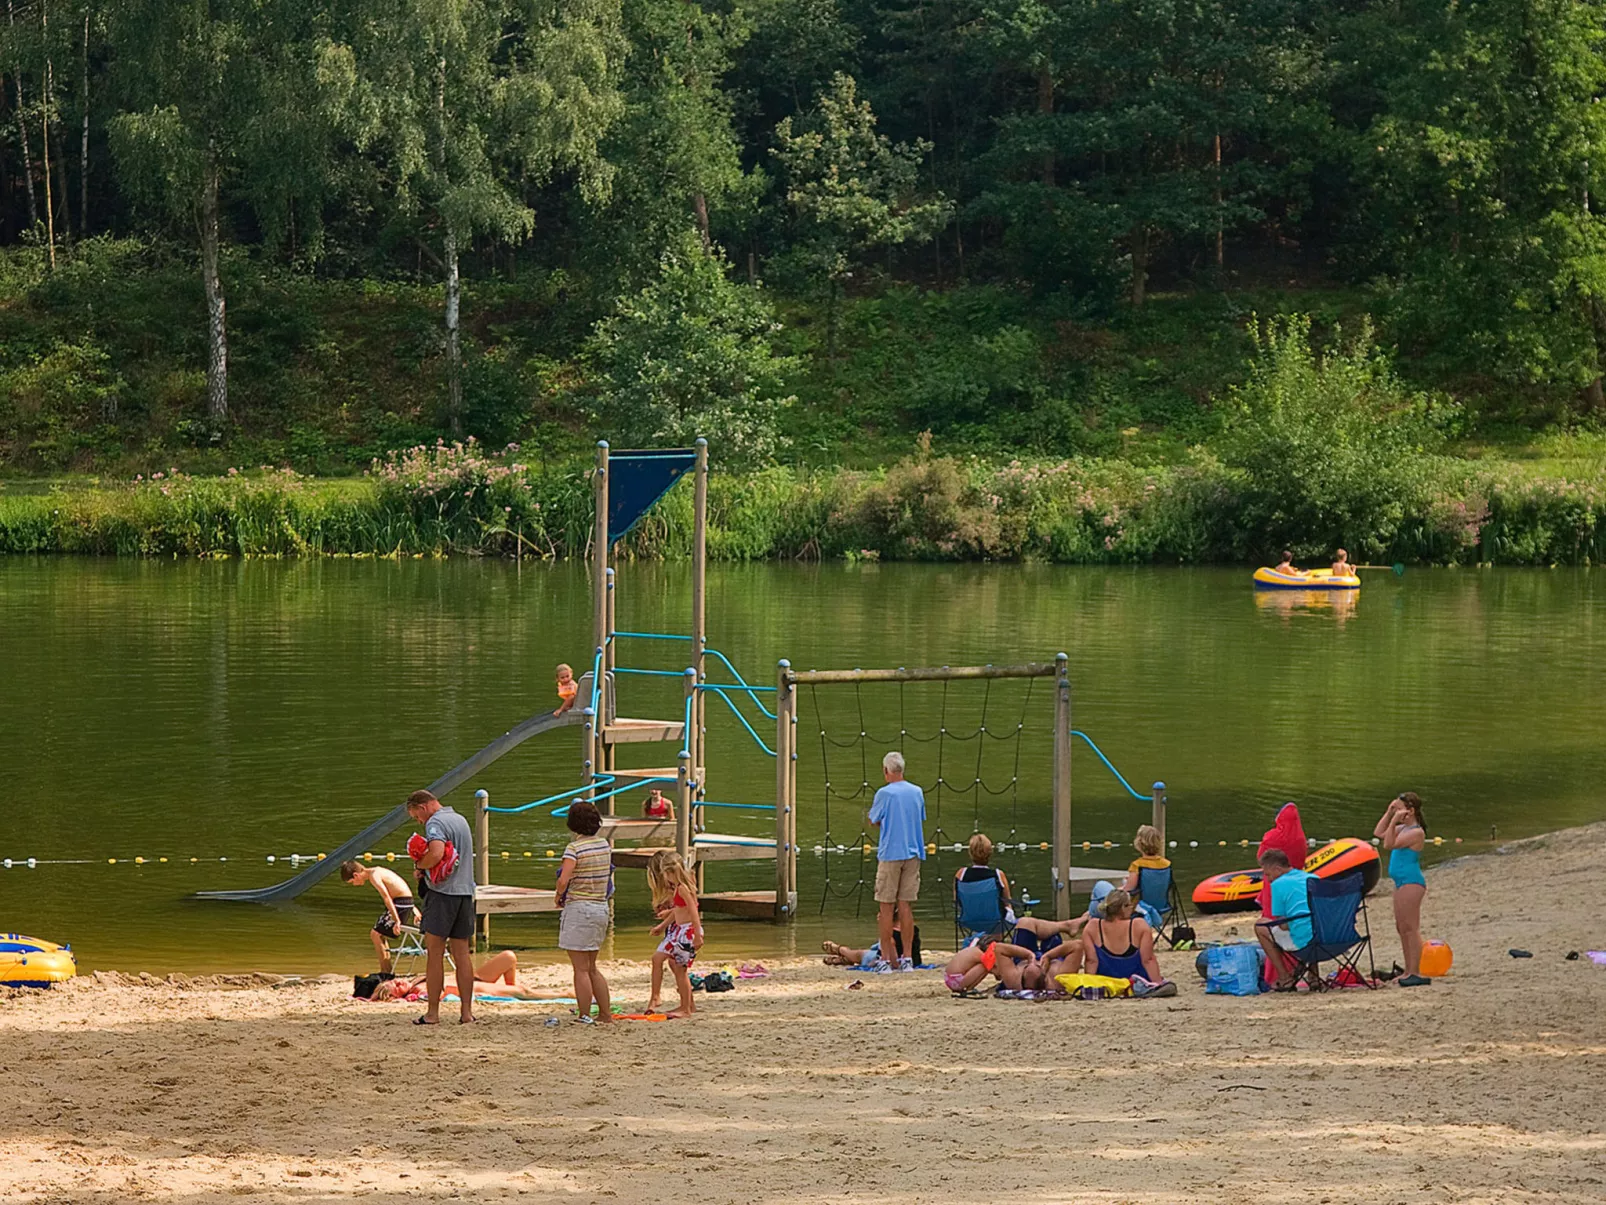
897	882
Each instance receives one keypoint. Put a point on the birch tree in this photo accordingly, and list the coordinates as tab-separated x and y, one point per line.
481	100
221	100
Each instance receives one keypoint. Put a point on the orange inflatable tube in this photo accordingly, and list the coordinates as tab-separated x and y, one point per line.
1238	890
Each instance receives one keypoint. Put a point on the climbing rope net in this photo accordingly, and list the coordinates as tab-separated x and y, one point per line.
977	758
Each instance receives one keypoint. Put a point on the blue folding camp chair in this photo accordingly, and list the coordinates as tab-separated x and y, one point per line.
408	949
1336	905
979	908
1157	887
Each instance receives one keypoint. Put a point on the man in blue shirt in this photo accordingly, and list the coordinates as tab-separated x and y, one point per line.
899	811
1290	903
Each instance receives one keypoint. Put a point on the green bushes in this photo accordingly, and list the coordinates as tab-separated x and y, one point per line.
1327	449
453	499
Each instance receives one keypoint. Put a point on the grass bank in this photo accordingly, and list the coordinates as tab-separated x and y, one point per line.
458	500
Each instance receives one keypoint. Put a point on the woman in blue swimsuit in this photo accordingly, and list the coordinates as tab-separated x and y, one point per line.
1403	832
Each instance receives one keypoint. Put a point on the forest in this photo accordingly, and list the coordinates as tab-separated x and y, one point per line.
1182	236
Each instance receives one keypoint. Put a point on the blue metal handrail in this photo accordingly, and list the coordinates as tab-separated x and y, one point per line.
743	683
1107	765
653	635
738	713
746	807
600	780
629	786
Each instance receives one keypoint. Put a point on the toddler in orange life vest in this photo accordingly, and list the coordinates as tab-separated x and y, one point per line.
568	688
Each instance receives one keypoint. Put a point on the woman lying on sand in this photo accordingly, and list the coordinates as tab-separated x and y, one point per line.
498	973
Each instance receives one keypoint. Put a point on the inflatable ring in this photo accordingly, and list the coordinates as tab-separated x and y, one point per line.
1315	579
32	962
1239	890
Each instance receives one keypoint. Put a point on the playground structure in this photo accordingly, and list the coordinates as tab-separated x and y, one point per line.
626	486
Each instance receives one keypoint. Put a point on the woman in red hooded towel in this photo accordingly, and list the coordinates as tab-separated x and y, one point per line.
1288	835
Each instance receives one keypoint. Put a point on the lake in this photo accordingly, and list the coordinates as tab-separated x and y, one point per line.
245	709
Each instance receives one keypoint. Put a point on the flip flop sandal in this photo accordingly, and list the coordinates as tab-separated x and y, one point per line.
424	1021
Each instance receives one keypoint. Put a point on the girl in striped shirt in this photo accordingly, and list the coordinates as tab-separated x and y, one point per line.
584	885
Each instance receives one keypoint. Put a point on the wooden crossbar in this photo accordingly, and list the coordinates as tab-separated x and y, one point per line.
939	673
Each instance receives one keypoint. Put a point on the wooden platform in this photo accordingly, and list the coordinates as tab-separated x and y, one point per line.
756	905
708	847
628	732
1083	877
492	900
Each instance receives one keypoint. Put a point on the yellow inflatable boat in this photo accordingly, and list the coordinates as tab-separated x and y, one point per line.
1314	579
31	962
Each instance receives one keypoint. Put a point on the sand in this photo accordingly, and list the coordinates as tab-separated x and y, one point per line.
1489	1085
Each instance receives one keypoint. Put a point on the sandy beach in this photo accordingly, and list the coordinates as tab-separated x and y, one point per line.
1486	1086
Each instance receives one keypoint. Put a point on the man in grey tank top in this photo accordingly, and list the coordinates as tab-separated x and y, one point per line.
448	916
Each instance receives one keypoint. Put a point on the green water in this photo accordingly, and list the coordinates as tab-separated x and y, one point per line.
241	709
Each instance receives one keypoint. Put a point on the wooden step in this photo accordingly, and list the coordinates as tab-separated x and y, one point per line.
636	828
629	732
491	899
656	772
757	905
709	847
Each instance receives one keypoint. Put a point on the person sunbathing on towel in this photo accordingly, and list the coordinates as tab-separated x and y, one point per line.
498	974
1015	967
837	955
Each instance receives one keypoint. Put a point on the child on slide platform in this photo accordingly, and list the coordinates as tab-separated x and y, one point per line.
568	689
674	897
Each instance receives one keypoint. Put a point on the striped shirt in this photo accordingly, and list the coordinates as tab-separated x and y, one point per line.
593	868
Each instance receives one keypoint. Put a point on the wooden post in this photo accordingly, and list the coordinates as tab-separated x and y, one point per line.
692	739
699	590
784	736
1158	817
599	602
683	834
1062	788
607	754
791	803
588	768
482	857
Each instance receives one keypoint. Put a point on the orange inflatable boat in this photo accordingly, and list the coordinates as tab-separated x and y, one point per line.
1238	890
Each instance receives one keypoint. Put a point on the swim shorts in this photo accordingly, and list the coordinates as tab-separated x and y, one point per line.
449	916
383	926
678	944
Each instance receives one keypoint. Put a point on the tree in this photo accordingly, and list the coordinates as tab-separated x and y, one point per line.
1484	163
1330	448
480	99
221	97
675	138
851	189
1128	116
690	355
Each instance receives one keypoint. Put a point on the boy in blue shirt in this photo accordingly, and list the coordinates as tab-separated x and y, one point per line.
1289	928
899	811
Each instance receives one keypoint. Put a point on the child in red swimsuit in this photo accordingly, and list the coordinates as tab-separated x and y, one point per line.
674	897
657	806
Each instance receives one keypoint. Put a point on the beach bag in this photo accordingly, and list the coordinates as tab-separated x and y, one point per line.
363	986
1233	970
